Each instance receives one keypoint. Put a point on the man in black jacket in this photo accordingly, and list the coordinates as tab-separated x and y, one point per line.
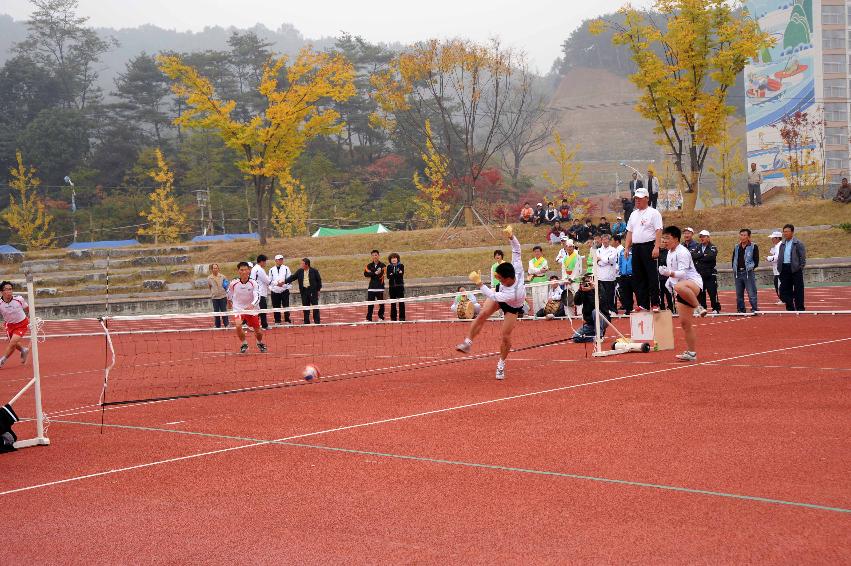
374	271
396	283
705	257
309	285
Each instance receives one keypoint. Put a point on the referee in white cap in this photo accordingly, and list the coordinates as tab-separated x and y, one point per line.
280	288
643	239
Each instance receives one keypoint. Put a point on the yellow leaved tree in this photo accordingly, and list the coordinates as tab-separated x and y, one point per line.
727	165
290	210
687	61
166	221
269	140
568	179
431	207
26	215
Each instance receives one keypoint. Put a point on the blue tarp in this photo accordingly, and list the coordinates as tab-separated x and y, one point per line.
226	237
103	244
9	249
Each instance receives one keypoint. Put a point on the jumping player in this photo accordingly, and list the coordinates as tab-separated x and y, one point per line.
15	312
244	295
686	283
511	299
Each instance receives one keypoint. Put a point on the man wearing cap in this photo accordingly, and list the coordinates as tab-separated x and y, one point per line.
705	256
643	239
539	213
571	267
776	236
619	227
688	240
280	288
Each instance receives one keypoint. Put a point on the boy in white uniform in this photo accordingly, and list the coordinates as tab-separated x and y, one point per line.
15	312
244	295
511	299
686	283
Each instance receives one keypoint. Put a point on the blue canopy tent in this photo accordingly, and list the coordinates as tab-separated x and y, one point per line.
9	249
103	244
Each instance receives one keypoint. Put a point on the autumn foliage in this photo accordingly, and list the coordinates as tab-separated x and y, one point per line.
26	215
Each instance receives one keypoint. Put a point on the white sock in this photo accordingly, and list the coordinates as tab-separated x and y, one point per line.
2	359
500	363
467	341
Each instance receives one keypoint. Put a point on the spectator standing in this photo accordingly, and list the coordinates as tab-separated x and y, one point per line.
619	227
550	214
539	213
628	207
653	189
527	214
643	238
625	292
374	271
309	286
571	268
689	242
604	227
634	185
259	276
705	257
607	272
745	261
280	289
555	234
792	258
592	255
564	212
498	257
843	194
218	285
538	268
666	298
776	237
396	285
755	186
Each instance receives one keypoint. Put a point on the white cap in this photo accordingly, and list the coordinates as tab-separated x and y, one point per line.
567	241
619	217
704	233
776	234
279	256
689	229
540	204
641	192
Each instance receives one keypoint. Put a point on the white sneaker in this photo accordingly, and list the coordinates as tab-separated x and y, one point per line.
2	361
779	303
700	311
687	356
500	372
24	353
464	346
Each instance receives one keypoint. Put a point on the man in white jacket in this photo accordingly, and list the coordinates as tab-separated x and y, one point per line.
280	289
607	273
259	275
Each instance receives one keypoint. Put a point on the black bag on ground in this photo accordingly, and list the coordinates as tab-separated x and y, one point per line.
7	435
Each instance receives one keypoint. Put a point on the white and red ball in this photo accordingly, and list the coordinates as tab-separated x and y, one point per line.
310	372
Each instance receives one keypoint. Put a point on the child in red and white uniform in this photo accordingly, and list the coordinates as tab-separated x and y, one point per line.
15	312
244	295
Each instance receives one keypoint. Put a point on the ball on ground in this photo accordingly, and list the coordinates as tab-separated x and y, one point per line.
310	373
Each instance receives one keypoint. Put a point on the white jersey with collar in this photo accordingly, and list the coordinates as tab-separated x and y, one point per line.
13	312
243	296
512	295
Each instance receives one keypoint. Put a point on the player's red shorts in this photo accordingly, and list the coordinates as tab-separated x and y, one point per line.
20	328
252	320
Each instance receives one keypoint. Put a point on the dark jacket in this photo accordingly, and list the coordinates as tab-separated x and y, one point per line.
375	273
313	277
798	256
604	228
396	275
633	185
705	260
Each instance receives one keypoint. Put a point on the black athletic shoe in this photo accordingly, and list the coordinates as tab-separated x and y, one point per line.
262	347
243	348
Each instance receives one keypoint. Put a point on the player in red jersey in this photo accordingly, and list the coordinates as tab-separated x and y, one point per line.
244	295
15	312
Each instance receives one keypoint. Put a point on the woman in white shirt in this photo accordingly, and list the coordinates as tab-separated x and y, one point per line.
686	283
776	237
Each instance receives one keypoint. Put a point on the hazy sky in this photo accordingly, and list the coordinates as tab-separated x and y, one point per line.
537	26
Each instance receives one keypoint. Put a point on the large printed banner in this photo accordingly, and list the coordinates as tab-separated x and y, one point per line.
780	82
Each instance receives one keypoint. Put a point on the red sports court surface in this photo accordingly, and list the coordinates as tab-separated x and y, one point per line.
742	457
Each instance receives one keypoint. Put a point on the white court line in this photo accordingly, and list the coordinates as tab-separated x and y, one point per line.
397	419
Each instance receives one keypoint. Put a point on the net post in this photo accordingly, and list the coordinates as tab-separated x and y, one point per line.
598	339
40	439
